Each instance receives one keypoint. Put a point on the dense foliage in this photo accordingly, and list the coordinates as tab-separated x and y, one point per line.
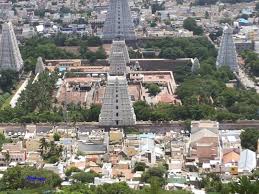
4	97
69	171
135	54
36	105
16	178
72	40
172	48
245	184
56	136
251	62
211	182
116	188
151	175
3	140
54	115
203	99
85	53
84	177
204	95
153	89
36	47
8	79
50	151
48	48
139	166
249	138
191	25
38	94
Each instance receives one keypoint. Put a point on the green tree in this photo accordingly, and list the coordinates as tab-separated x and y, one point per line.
94	111
69	171
54	153
37	46
43	145
249	138
77	188
16	178
84	177
94	41
135	54
245	185
142	110
56	136
8	79
212	183
191	25
153	89
172	53
7	157
115	188
3	140
154	172
100	53
139	166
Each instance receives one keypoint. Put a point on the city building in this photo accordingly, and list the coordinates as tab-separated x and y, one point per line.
204	141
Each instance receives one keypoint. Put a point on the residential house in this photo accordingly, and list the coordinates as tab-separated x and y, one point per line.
204	141
15	151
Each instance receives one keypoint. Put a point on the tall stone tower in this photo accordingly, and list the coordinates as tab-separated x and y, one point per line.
117	64
40	67
118	58
195	65
118	23
227	51
10	56
120	46
117	110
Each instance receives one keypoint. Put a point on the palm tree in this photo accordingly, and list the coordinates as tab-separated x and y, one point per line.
7	157
43	145
245	186
60	150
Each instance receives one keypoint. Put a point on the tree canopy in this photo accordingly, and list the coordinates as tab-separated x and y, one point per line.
84	177
251	62
16	178
249	138
48	48
8	79
191	25
153	89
